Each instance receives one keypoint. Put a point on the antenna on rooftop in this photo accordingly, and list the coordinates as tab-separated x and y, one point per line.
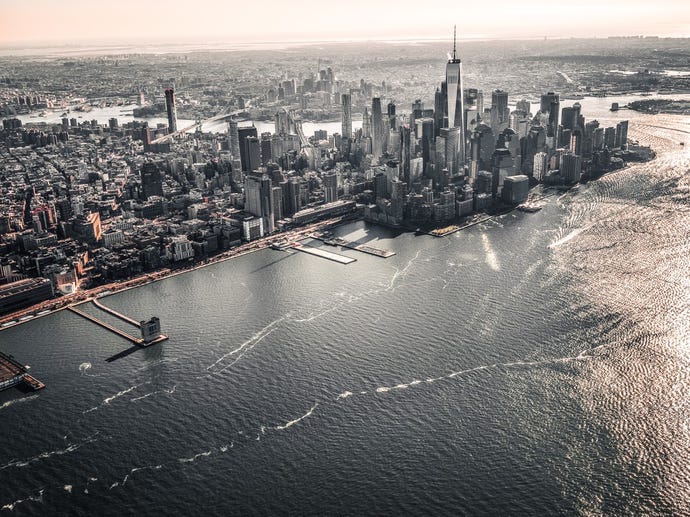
454	39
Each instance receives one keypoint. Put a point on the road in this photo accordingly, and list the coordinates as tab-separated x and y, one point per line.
88	294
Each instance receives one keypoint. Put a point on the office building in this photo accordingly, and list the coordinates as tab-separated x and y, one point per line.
258	191
151	180
455	102
500	113
346	102
515	189
377	129
571	167
550	103
243	134
234	146
171	109
330	187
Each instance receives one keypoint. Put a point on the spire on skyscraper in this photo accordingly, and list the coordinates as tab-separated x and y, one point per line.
454	57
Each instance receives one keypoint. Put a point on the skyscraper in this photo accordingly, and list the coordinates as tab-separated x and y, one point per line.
243	134
171	109
622	134
234	145
346	101
454	89
253	154
455	100
499	109
392	122
330	187
550	103
258	191
378	134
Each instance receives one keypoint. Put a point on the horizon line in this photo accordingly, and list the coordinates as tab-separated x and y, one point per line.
89	42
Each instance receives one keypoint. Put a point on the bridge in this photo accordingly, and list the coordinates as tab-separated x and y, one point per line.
215	118
307	146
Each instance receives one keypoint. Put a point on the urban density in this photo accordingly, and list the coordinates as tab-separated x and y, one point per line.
90	202
290	271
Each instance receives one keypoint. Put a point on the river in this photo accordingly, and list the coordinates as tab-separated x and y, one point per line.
534	364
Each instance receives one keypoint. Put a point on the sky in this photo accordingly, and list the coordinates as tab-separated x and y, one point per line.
69	22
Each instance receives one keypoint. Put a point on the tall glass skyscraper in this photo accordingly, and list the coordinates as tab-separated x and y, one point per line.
171	109
455	100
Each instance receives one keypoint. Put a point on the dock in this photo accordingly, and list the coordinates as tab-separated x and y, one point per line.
118	315
364	248
136	340
341	259
12	373
107	326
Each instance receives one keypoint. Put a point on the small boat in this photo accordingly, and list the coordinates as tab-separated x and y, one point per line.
682	144
529	207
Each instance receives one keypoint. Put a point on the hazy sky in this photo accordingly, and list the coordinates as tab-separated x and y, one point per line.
73	21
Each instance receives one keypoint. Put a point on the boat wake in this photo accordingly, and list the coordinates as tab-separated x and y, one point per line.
36	498
48	454
119	394
169	392
296	420
17	401
218	366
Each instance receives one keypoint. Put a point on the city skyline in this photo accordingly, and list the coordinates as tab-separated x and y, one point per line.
77	21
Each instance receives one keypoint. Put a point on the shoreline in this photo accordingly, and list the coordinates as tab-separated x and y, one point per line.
145	279
86	296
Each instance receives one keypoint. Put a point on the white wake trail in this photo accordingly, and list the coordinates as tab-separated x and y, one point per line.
18	401
249	342
296	420
57	452
169	392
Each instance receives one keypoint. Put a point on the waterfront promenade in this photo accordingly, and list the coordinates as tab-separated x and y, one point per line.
49	306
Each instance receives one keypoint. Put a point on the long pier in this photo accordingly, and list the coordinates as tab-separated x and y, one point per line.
364	248
107	326
323	253
118	315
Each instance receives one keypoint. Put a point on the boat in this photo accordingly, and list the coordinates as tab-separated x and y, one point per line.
529	207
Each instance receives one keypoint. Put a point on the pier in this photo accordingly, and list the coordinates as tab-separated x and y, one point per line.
107	326
13	373
341	259
150	334
118	315
364	248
